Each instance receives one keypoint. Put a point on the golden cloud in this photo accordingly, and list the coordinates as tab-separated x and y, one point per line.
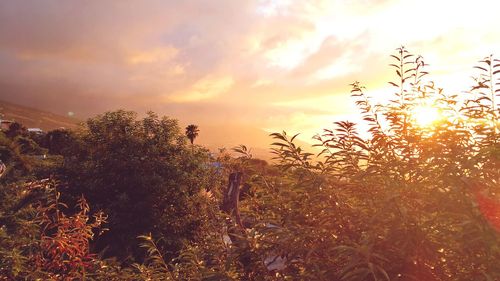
153	56
206	88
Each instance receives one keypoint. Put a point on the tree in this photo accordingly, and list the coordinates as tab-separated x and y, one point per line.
410	200
15	129
58	141
144	176
192	132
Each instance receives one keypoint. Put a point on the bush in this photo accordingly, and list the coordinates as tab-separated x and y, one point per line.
414	201
38	240
143	174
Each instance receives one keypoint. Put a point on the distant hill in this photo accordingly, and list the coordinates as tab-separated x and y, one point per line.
35	118
211	136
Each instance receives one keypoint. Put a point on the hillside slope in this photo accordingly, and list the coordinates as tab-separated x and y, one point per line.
211	136
35	118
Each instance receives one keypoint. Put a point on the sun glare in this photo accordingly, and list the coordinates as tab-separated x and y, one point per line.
425	115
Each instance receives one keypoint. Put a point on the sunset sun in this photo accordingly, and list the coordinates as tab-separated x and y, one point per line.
250	140
425	115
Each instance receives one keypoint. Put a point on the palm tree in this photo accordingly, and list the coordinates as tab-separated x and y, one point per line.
192	132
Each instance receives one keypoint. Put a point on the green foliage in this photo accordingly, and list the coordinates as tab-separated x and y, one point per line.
405	203
406	200
18	230
25	159
144	176
15	129
59	141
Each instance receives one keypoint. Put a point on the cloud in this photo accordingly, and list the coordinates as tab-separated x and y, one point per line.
153	56
205	88
251	61
262	82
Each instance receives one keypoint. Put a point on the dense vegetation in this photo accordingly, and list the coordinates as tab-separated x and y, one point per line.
124	198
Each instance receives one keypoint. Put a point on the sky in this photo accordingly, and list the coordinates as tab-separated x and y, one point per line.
270	64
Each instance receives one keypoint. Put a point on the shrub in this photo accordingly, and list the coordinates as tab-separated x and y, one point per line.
143	174
412	201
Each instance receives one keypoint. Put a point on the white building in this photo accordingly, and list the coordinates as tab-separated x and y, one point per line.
35	130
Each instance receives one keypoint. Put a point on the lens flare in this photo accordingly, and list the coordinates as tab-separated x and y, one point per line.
425	115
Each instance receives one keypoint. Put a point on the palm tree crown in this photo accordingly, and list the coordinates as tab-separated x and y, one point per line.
192	132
